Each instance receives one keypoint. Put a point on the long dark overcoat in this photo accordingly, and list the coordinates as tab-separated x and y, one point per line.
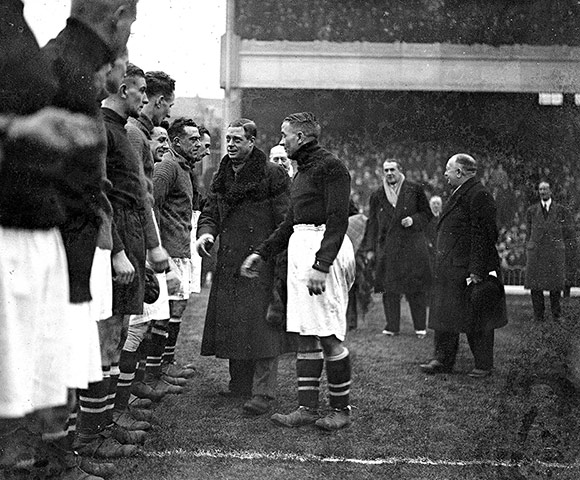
243	209
466	237
401	254
551	247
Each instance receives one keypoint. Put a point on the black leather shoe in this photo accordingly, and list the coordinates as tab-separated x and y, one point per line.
257	405
234	394
435	366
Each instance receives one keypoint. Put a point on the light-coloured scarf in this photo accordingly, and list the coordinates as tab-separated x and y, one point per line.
392	191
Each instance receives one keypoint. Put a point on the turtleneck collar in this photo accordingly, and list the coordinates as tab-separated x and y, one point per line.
303	155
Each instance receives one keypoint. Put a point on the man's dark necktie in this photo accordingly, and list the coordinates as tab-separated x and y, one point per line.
544	211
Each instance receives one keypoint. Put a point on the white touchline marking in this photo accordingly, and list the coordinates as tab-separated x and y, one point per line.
279	456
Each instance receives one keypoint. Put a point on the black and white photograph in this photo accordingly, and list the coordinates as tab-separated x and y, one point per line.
289	239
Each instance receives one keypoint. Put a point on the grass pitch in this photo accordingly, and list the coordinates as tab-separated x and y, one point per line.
523	422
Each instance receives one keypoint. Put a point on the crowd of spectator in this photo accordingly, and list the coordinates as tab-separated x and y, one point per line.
538	22
517	142
424	162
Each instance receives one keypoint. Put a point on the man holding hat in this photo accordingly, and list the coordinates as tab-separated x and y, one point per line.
468	296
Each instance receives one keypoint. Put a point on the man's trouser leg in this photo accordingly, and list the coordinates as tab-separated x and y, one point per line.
392	307
481	345
351	309
555	296
538	304
241	376
265	380
418	305
446	345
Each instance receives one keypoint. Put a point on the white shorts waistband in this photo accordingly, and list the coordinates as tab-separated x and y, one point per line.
309	227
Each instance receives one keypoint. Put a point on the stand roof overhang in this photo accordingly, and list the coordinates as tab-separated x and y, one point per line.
401	66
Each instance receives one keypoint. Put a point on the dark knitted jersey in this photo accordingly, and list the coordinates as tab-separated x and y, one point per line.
319	195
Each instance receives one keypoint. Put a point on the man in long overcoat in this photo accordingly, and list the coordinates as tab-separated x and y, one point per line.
550	251
248	199
395	238
468	296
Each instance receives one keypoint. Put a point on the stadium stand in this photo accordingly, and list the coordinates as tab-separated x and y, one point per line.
544	22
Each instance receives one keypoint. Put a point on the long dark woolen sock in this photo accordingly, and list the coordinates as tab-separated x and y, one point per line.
338	372
309	370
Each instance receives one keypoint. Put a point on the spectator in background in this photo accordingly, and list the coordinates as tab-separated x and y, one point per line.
205	150
359	295
395	240
198	269
551	251
436	205
278	155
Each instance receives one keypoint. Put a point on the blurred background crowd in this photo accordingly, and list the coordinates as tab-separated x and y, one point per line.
548	22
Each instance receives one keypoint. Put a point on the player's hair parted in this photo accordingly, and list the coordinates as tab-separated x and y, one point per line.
306	122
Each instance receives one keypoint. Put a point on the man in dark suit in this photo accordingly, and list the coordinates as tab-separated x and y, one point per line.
466	264
395	238
550	251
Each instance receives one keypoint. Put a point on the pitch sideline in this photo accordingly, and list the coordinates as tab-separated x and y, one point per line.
279	456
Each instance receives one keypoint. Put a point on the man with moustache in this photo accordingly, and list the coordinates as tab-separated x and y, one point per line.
550	251
468	296
248	198
278	155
